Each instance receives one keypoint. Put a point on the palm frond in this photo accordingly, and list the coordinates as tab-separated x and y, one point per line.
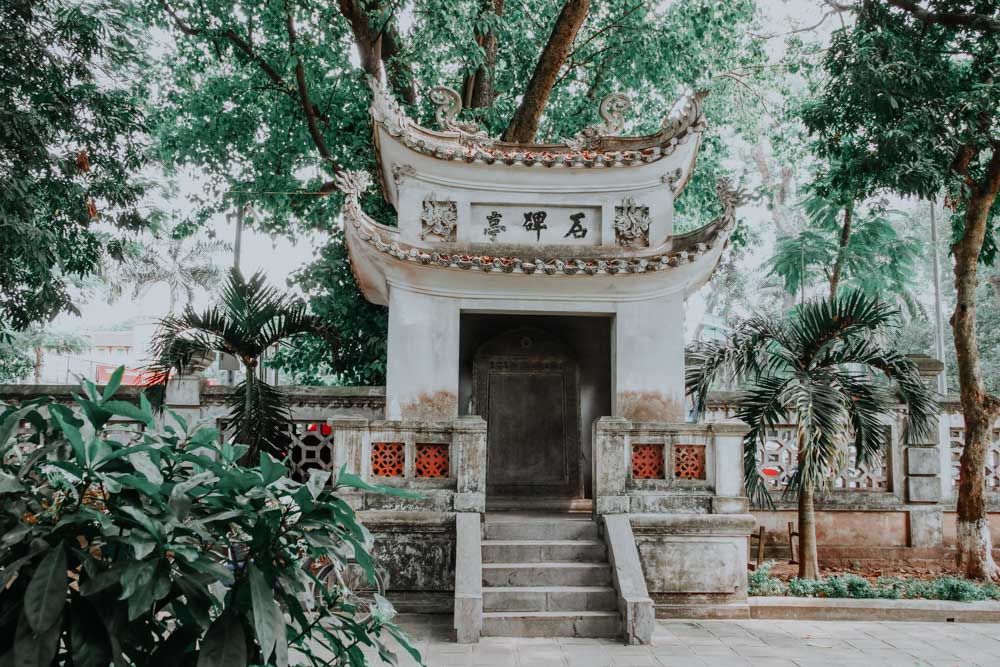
262	422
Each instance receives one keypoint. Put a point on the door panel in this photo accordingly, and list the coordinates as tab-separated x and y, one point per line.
528	428
527	390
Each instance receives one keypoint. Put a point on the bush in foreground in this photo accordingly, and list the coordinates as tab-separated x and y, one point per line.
117	540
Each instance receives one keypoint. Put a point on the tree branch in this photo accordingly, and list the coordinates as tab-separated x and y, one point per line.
978	22
308	108
524	124
400	75
368	43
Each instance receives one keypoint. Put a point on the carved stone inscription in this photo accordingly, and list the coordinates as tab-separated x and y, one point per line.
537	225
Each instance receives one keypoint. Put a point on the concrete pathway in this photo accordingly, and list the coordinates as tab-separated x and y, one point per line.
755	643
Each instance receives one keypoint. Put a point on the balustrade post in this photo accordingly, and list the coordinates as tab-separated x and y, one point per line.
730	497
468	452
349	448
611	465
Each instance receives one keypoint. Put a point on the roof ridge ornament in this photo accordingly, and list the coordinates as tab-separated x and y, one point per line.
612	112
687	113
449	104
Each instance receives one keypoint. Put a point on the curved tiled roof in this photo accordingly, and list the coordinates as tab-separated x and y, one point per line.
682	249
594	146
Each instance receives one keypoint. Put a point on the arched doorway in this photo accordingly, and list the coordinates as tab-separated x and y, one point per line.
526	387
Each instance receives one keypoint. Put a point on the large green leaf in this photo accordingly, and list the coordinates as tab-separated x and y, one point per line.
9	426
352	481
126	409
36	649
46	593
113	383
269	624
225	643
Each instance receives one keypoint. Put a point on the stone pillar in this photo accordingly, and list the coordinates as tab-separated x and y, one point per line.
649	359
728	473
469	450
922	466
422	368
611	465
349	435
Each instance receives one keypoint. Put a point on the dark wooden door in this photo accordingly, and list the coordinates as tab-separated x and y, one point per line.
526	389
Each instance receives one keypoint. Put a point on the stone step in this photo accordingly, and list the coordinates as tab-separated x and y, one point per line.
551	624
536	503
537	551
527	526
550	598
546	574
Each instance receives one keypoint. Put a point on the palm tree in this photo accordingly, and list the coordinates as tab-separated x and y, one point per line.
830	366
183	264
251	317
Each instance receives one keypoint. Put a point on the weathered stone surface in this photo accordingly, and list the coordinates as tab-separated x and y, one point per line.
415	551
184	390
550	598
923	461
468	578
730	505
849	609
674	502
546	574
634	602
694	564
551	624
923	489
926	527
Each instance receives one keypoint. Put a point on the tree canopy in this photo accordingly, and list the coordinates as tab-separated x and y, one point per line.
273	105
71	145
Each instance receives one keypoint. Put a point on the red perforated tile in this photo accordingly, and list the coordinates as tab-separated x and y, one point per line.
388	459
433	460
689	461
647	461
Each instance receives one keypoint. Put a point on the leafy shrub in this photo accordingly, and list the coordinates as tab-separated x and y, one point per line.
943	588
760	581
887	588
114	547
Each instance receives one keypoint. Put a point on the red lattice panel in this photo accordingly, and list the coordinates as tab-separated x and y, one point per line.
433	460
388	459
689	461
647	461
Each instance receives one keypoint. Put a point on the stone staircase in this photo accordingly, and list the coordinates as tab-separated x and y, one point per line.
546	575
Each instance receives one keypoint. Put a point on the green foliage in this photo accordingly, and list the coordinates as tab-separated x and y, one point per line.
902	98
824	368
760	581
886	588
117	545
15	362
359	356
183	263
70	150
237	115
878	259
251	318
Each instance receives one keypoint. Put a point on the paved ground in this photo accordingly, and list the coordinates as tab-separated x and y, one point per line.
724	643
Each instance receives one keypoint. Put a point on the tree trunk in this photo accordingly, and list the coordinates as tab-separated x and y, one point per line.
39	361
246	437
524	124
369	44
845	237
808	558
478	88
400	76
979	409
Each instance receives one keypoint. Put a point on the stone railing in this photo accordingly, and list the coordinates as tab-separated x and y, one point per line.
651	467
